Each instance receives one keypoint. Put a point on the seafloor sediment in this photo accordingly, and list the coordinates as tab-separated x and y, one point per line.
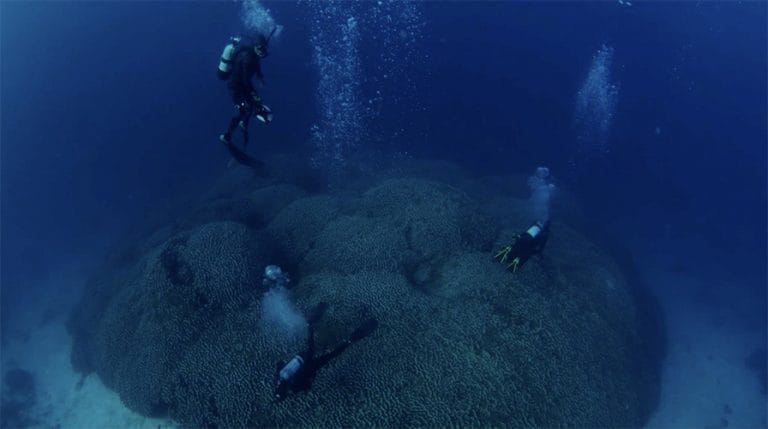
170	322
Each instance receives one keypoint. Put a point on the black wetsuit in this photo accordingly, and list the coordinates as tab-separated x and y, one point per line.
311	364
526	245
301	370
245	65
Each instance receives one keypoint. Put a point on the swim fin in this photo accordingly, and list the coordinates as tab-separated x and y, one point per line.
243	158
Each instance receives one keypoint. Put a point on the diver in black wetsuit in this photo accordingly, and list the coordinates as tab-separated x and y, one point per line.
527	244
240	62
299	372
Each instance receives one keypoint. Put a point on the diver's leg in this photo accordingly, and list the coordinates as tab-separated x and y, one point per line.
245	118
233	123
245	137
324	359
237	100
227	136
358	334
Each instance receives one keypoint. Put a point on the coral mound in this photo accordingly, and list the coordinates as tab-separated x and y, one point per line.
461	342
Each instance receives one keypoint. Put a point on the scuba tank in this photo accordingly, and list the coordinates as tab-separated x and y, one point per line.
228	54
535	229
290	369
225	65
286	374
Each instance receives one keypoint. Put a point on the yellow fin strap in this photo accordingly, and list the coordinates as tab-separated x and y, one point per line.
503	253
514	265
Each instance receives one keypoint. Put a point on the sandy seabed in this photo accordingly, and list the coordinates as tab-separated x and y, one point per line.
39	343
705	381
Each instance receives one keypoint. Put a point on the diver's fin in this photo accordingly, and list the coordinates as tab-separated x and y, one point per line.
243	158
364	330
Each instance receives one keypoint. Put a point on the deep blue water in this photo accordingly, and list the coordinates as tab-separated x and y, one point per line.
110	111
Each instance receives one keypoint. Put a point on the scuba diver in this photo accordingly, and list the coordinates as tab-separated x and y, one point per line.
240	62
274	276
299	372
527	244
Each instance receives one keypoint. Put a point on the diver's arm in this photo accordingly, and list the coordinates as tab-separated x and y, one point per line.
323	359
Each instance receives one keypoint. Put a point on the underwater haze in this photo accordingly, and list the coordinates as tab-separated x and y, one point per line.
502	214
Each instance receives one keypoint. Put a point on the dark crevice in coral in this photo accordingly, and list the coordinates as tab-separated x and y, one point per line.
177	270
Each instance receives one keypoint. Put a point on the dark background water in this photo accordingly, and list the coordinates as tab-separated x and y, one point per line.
111	111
